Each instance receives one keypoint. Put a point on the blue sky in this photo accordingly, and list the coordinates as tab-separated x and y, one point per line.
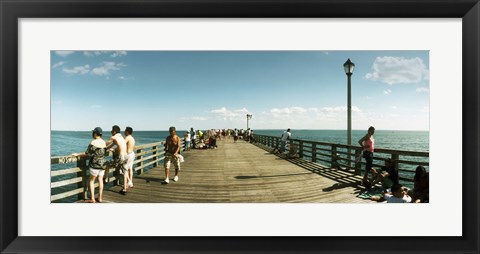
152	90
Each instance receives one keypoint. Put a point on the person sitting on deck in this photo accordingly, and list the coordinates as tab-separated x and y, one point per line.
398	195
387	175
420	185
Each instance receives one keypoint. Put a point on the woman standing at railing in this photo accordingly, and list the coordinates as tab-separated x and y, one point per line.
368	145
96	151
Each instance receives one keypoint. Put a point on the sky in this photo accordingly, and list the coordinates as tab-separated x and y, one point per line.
153	90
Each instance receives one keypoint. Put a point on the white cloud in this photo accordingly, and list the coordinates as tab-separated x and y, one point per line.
113	54
388	91
78	70
393	107
64	53
106	68
58	64
118	53
398	70
231	115
423	90
122	78
92	53
199	118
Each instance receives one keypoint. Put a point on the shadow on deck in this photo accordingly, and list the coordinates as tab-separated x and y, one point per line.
243	173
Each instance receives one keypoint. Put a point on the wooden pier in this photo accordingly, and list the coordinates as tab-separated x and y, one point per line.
236	172
242	173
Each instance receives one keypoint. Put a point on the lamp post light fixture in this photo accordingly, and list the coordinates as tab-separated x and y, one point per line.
349	66
249	116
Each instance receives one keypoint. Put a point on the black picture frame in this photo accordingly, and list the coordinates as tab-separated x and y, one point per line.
11	11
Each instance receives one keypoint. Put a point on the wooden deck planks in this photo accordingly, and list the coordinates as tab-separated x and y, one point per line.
242	173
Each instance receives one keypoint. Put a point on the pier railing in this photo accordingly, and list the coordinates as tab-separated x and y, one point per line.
342	156
73	181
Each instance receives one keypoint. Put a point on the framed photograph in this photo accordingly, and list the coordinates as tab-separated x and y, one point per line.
57	55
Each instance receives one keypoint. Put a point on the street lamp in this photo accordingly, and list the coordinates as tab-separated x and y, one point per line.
349	66
249	116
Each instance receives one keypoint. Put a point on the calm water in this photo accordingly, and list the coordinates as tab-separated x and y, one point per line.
67	142
399	140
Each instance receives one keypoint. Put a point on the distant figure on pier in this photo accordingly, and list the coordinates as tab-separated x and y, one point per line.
367	143
387	175
194	137
235	135
420	185
119	156
130	154
283	140
96	164
249	135
172	149
187	141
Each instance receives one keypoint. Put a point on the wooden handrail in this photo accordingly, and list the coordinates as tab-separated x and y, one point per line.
145	155
343	156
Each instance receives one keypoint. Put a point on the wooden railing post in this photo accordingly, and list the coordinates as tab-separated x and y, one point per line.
140	162
395	158
314	152
300	149
334	163
82	164
155	157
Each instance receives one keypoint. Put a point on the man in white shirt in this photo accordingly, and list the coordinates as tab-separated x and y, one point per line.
283	140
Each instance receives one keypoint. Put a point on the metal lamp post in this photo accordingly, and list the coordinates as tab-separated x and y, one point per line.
349	66
249	116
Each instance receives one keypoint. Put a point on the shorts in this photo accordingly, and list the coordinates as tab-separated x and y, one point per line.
187	145
119	163
130	159
96	172
170	159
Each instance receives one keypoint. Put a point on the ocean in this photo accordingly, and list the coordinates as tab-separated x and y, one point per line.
67	142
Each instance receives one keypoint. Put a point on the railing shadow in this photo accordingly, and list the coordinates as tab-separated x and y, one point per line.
343	178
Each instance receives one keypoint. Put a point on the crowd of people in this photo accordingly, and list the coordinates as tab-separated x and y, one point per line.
123	157
122	160
388	177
